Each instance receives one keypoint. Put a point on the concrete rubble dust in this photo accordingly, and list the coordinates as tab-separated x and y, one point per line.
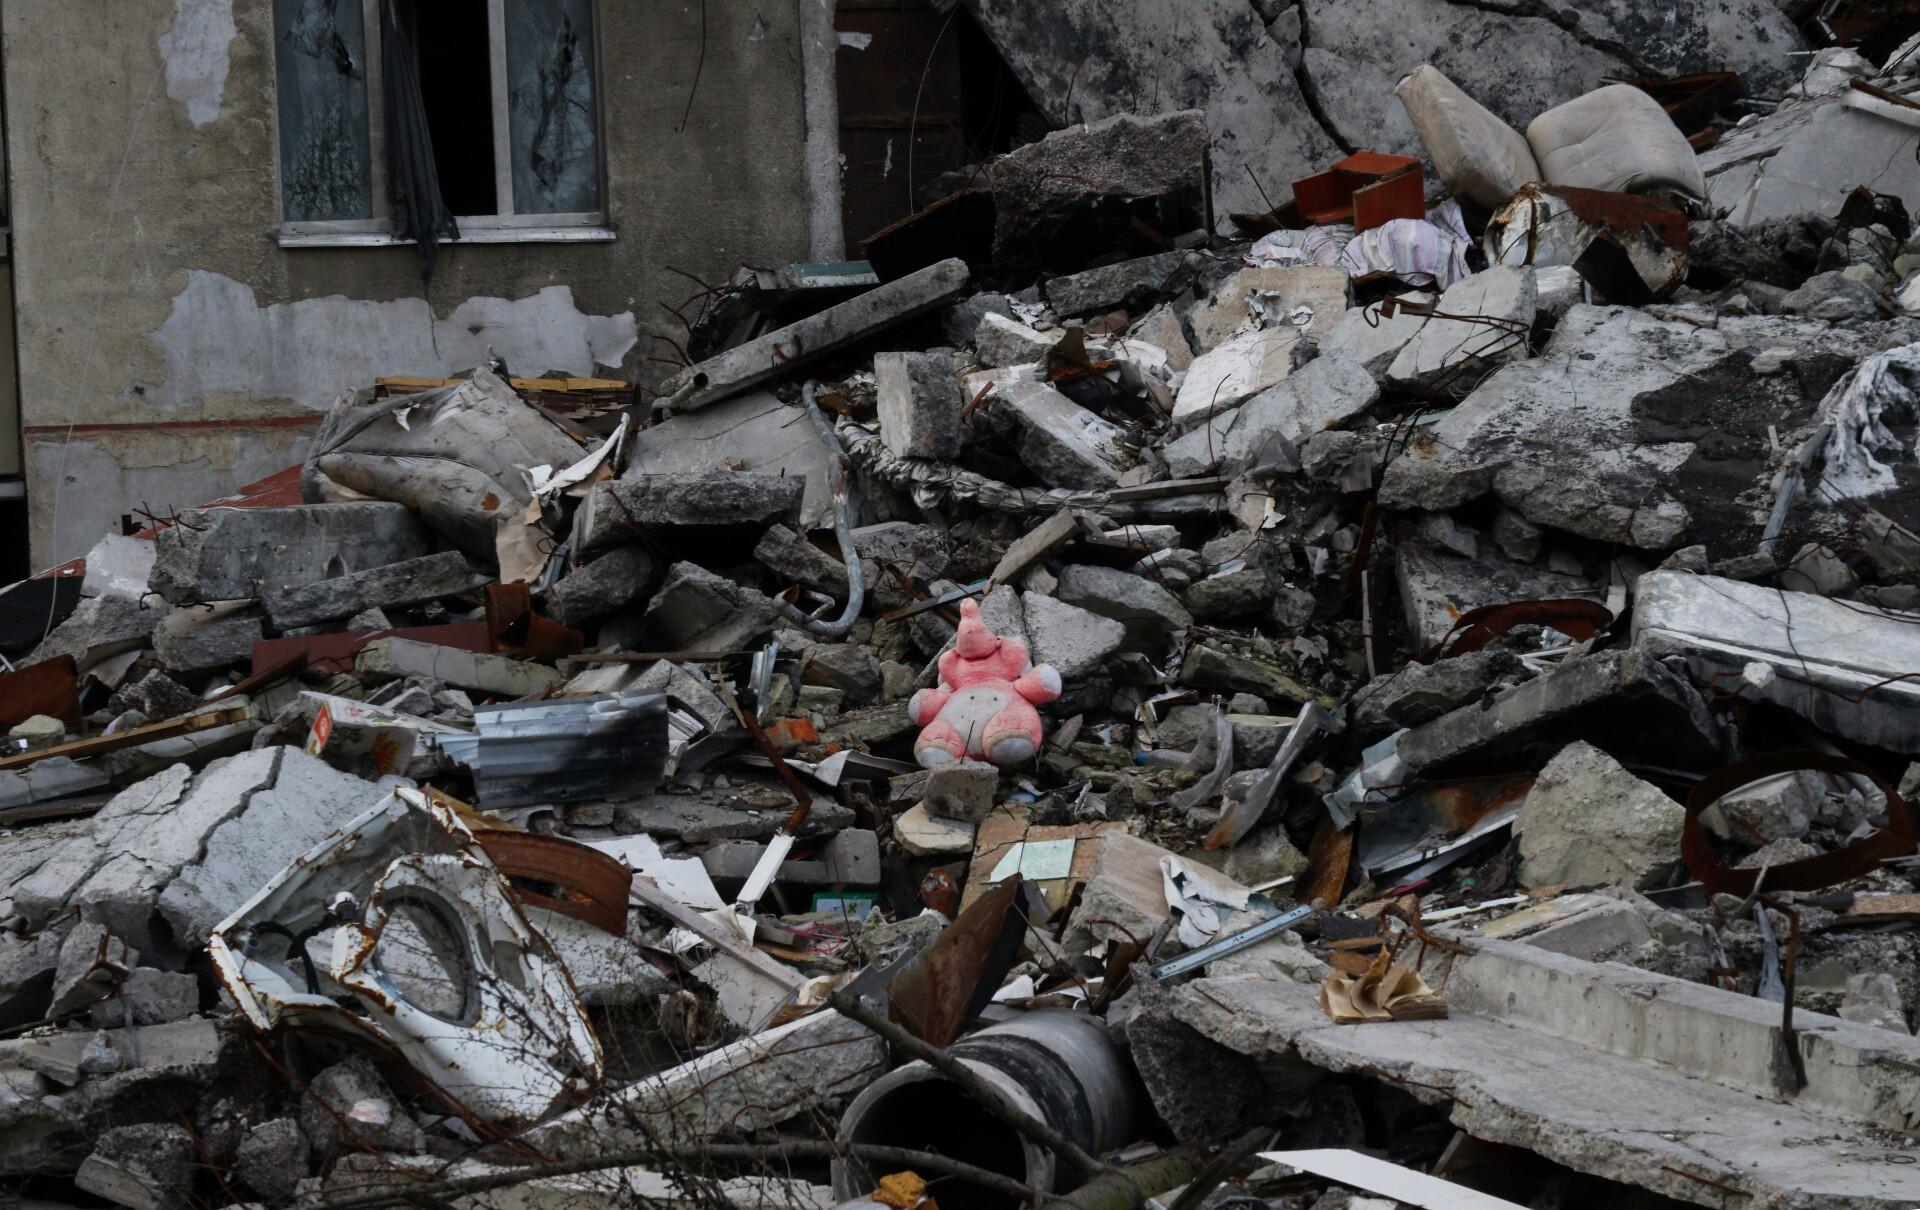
1400	698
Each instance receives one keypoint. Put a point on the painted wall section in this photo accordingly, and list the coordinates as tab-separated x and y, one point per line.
219	340
194	49
171	349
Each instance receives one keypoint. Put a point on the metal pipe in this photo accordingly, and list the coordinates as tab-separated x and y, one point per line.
843	499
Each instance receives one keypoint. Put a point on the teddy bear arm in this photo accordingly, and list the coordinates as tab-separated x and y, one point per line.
1039	684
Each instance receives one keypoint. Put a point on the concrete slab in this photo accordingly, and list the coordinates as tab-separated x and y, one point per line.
1828	653
1617	1073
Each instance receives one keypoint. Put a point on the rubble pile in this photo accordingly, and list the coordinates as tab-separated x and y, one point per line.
1405	698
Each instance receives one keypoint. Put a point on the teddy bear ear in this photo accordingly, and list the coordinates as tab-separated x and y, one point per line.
969	608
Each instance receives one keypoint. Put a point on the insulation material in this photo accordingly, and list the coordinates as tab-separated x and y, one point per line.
1616	139
458	455
1860	446
1479	157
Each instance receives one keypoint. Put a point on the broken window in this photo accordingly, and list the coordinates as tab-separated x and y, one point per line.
510	94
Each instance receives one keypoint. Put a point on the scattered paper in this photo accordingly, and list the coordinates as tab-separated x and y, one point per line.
1197	895
684	878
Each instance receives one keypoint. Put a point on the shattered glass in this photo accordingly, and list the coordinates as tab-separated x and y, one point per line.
551	107
325	153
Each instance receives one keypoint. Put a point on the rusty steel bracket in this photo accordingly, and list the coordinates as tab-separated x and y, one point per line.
1808	874
566	876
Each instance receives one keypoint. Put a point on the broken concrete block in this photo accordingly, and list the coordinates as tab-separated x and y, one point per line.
1150	613
1073	640
1001	340
1531	721
99	628
409	582
791	556
1234	372
1590	926
1420	693
1325	393
478	672
923	834
919	402
92	963
1161	328
1776	808
241	822
1235	592
1815	569
1437	587
202	640
756	433
805	1065
1457	350
959	322
1209	667
274	1158
156	695
1839	664
850	668
145	1167
1271	298
231	554
349	1107
607	585
1122	159
781	351
1101	289
1518	538
1062	442
1834	297
684	506
1587	821
1264	855
1874	999
966	790
118	566
1201	1089
1558	438
696	610
38	731
149	997
1125	895
1365	336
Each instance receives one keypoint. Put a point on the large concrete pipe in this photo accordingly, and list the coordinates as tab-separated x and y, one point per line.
1058	1065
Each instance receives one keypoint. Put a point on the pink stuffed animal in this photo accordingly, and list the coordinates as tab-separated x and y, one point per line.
984	707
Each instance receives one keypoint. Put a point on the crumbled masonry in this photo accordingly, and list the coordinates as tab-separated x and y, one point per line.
1134	697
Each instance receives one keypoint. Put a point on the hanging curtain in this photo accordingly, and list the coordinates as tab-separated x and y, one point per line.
413	183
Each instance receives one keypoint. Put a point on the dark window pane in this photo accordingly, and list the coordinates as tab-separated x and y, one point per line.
551	109
320	52
456	80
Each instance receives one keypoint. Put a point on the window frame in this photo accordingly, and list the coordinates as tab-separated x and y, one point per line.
502	227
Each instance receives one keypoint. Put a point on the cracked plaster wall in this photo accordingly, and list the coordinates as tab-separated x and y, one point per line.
152	291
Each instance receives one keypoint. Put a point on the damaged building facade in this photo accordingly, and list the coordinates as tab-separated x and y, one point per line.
1270	606
203	232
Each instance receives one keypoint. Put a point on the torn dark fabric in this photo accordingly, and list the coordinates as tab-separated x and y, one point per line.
413	183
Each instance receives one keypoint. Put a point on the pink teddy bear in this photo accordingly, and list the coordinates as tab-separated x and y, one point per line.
984	707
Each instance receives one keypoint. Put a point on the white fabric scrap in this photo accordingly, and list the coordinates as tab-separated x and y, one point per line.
1858	407
1196	895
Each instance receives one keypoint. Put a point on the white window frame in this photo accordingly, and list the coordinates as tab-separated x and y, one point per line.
503	227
